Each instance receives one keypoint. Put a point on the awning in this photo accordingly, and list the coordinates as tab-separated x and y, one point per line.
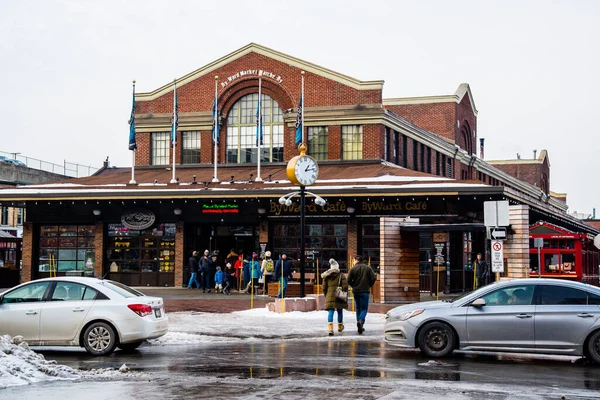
443	227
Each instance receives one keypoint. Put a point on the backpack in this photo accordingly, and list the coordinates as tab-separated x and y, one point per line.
269	266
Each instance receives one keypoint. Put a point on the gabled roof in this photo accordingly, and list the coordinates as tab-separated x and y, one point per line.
267	52
545	228
457	97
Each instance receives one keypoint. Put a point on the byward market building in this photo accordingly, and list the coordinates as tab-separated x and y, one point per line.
402	178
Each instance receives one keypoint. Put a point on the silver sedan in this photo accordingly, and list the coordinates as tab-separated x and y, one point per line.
547	316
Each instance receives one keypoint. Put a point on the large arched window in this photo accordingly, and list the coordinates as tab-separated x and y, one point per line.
241	130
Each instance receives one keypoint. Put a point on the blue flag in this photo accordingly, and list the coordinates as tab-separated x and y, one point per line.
259	128
132	142
299	127
215	115
175	118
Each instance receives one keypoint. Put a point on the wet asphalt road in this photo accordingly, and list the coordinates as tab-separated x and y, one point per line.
303	369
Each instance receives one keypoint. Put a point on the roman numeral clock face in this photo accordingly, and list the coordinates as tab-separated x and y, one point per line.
306	170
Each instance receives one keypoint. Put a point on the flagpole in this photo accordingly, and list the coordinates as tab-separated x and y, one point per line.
134	145
303	110
174	128
216	128
259	129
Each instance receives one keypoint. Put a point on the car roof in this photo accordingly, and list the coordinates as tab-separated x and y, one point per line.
548	281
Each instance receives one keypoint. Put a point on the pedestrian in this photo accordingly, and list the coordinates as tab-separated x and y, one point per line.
361	277
193	266
246	273
238	266
254	274
266	271
267	267
482	271
283	272
205	271
332	278
219	276
231	257
229	278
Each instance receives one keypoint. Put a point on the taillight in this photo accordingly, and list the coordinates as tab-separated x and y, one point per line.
140	309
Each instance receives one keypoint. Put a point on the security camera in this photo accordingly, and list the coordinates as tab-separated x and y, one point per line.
155	181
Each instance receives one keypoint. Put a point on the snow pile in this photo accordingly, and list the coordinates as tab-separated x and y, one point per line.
20	366
261	324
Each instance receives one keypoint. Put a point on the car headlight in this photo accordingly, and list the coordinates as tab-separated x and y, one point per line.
404	316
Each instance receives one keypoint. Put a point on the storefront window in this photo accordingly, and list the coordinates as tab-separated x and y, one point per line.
66	248
370	245
150	250
322	242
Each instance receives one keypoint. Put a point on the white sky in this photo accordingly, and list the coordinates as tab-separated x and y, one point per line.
67	67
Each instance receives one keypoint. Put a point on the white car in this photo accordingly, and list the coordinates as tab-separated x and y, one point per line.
93	313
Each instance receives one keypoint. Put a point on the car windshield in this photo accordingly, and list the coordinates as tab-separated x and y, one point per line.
473	293
121	289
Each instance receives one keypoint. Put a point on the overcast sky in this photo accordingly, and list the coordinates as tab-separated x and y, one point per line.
533	67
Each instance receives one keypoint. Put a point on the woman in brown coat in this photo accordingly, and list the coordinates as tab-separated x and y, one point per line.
332	278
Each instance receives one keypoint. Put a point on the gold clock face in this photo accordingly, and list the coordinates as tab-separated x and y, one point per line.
302	170
306	170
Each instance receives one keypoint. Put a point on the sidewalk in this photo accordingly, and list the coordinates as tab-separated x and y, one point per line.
183	299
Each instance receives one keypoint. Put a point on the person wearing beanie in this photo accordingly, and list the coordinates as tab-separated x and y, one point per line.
267	267
332	278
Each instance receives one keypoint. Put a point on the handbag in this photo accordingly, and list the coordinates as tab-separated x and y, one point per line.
339	292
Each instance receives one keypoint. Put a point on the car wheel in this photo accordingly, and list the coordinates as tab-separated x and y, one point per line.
99	339
593	347
127	347
436	339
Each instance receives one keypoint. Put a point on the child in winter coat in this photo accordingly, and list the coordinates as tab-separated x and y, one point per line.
219	280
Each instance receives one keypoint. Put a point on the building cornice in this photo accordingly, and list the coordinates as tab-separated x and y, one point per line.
457	97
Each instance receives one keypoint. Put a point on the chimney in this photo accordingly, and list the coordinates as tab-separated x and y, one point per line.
106	163
481	141
518	156
534	154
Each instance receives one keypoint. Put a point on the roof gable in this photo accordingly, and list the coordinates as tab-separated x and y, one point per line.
463	90
544	228
267	52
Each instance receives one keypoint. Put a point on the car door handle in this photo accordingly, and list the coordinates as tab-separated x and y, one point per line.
78	309
522	316
585	315
31	312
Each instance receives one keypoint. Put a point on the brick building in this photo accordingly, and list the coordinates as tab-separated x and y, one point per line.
402	180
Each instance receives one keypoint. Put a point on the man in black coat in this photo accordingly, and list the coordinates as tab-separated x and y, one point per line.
361	277
283	272
482	269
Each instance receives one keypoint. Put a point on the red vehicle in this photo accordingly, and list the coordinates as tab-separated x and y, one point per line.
565	254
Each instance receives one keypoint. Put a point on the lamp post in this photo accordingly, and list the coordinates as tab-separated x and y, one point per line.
287	200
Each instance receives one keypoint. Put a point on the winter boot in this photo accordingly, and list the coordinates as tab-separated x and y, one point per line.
340	327
330	328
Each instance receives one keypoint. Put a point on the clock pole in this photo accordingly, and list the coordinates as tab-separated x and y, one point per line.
302	227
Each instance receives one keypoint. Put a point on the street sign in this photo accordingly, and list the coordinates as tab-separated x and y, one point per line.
497	256
498	233
495	213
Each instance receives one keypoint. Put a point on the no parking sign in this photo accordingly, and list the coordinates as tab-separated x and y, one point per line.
497	256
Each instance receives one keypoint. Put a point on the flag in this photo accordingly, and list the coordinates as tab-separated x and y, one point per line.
132	142
215	115
259	128
175	118
299	126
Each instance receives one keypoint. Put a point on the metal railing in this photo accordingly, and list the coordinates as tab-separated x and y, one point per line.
74	170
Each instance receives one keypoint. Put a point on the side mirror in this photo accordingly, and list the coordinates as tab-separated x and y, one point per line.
478	303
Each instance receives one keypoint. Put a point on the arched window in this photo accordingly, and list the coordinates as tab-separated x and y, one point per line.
241	130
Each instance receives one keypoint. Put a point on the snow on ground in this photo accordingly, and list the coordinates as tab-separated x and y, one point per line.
261	324
19	365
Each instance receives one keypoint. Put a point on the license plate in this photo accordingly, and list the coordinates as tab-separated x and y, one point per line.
157	313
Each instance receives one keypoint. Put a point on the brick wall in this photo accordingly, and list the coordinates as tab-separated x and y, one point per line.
179	254
99	249
438	118
27	255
